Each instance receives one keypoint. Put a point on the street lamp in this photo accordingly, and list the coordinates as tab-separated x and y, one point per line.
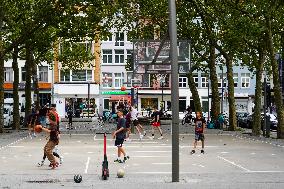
162	81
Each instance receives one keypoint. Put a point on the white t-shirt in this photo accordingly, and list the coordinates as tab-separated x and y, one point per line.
134	114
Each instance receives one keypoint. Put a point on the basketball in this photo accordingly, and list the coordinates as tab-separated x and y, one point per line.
38	128
123	88
78	178
120	173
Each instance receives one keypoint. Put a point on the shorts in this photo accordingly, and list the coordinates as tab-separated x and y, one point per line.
199	136
118	142
135	122
156	124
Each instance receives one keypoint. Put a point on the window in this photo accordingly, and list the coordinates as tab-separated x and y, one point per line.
129	55
245	78
119	39
64	75
107	79
43	73
23	74
183	82
79	75
8	74
204	80
236	79
129	78
119	56
118	79
89	75
220	80
195	78
107	56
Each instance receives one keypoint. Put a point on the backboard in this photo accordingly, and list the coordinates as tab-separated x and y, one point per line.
153	56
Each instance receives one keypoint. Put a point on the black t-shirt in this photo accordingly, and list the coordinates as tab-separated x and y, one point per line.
199	124
43	112
121	123
155	116
54	135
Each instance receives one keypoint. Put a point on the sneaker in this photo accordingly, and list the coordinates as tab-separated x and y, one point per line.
145	133
141	137
202	151
160	138
127	140
192	152
54	165
40	163
126	158
151	137
119	161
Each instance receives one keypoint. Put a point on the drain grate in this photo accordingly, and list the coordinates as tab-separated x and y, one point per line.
44	181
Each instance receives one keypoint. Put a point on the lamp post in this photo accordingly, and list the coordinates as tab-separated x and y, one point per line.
162	81
89	88
174	90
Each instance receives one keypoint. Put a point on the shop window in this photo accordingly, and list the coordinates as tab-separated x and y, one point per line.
149	103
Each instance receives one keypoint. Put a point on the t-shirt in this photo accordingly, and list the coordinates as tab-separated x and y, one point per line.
134	114
199	124
43	111
155	115
121	123
54	135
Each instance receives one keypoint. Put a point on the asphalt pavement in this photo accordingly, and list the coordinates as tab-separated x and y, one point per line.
230	161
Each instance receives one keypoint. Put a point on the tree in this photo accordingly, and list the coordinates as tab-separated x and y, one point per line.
16	113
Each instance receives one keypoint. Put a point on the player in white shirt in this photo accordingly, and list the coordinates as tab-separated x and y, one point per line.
134	113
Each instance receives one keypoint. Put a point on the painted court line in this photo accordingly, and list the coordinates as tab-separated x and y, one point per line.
153	151
87	165
161	163
233	163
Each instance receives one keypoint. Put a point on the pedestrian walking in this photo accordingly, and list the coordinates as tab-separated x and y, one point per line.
156	123
134	118
119	136
70	119
199	131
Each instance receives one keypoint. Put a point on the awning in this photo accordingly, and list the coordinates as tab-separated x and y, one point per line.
120	98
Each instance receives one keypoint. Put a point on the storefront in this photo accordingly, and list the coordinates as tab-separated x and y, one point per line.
74	96
112	98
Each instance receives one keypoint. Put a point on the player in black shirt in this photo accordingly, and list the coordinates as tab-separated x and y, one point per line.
156	123
199	131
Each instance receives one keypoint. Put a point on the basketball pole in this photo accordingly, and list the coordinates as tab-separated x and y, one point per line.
174	91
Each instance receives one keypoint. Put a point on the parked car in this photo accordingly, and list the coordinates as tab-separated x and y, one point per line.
242	118
8	116
272	121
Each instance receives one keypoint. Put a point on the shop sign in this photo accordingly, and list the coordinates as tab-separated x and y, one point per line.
115	93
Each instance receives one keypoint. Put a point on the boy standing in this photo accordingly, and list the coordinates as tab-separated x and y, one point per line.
119	136
199	131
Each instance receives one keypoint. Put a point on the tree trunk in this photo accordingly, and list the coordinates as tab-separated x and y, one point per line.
231	97
1	72
276	82
195	95
28	86
215	103
16	113
256	126
35	83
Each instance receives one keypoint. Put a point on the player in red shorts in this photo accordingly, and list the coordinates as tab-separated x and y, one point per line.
156	123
